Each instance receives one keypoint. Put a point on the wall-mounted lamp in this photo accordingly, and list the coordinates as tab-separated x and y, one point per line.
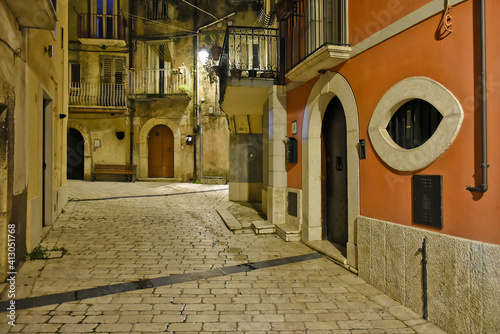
62	116
189	140
203	54
120	135
294	127
292	155
49	50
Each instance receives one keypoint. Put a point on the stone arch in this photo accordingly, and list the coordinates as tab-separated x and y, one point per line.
87	148
326	88
142	171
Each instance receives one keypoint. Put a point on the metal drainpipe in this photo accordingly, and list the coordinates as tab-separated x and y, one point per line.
198	107
423	250
132	32
484	108
195	90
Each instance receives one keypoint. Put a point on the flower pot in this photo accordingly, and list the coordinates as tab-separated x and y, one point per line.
267	75
235	73
216	51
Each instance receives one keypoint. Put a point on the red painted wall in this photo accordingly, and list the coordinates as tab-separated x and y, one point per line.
366	17
453	62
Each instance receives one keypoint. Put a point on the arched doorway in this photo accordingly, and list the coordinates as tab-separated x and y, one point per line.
76	155
329	86
334	175
161	152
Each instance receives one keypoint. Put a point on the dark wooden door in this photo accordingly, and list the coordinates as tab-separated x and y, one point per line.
161	152
334	173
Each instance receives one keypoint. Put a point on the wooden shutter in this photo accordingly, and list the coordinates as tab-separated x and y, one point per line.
119	64
106	69
112	70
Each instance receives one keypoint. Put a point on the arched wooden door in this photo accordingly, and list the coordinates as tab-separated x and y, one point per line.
334	174
161	152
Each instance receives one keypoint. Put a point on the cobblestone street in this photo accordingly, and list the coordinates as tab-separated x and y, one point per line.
133	232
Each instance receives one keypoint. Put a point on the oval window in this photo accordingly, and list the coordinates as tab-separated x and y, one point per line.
414	123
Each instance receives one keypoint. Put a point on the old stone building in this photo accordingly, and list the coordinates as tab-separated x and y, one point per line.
140	94
33	110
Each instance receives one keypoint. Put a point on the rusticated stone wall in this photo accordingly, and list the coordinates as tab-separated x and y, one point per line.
463	275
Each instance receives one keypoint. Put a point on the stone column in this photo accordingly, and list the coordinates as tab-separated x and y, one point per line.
276	161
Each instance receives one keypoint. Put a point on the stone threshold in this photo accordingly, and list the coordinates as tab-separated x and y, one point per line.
332	251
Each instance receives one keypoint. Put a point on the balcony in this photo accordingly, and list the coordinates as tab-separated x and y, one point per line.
39	14
315	37
97	95
159	83
102	29
249	53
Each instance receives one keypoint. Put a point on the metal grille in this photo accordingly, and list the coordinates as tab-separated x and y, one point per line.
254	51
313	24
101	26
157	9
414	123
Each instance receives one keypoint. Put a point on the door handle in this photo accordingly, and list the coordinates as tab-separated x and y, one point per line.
338	165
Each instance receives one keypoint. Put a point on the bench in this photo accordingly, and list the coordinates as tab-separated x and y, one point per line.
102	169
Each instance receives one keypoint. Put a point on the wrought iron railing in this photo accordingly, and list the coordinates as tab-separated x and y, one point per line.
311	25
159	81
97	94
101	26
249	52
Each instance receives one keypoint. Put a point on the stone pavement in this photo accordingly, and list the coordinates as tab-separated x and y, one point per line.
132	232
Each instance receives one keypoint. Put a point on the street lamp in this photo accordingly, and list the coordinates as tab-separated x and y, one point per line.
203	55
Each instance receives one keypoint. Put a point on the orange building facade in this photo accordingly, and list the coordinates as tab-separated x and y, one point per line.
386	123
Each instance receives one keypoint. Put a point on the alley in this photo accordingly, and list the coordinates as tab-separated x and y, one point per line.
117	233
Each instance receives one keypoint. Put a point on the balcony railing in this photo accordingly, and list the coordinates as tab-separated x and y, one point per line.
101	26
249	52
159	81
312	25
97	95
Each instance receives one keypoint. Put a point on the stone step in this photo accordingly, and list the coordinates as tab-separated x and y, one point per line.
228	218
262	227
288	232
213	180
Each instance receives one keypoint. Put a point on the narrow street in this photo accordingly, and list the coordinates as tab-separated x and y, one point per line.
143	233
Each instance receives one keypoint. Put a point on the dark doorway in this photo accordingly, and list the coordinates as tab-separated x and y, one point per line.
334	174
76	155
47	155
161	152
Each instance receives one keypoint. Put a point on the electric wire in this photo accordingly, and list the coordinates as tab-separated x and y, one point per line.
16	53
201	10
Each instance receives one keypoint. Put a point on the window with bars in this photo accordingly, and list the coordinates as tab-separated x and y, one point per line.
414	123
157	9
112	70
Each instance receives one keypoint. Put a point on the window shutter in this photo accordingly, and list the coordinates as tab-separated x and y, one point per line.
119	64
106	70
112	70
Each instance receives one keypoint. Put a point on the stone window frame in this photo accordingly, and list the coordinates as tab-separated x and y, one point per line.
409	160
